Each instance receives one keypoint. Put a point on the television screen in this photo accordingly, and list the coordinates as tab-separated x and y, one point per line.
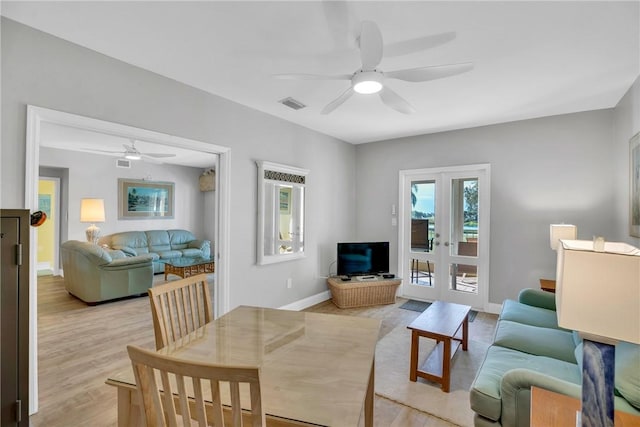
364	258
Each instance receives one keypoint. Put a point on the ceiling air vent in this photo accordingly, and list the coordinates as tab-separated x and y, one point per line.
123	163
292	103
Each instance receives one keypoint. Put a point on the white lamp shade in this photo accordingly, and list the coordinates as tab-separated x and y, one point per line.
598	293
559	232
92	210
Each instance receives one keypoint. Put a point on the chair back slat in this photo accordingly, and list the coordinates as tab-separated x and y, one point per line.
189	297
170	410
151	397
235	404
203	402
181	311
180	307
200	413
256	403
216	402
184	402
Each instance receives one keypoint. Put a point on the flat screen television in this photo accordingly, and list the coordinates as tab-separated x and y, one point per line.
363	258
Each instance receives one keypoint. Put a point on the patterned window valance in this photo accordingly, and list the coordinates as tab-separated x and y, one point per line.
284	177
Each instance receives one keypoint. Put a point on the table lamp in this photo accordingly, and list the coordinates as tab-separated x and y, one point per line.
92	210
598	295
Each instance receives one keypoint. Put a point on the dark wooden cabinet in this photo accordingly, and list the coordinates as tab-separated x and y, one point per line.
14	318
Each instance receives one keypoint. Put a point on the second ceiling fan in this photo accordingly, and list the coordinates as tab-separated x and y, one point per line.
132	153
368	79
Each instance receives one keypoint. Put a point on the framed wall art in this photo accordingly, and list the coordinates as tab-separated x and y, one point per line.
634	186
44	203
140	199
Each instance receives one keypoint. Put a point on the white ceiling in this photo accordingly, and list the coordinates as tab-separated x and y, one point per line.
88	141
532	59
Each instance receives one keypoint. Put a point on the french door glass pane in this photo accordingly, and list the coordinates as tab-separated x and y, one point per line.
463	278
423	223
423	215
422	272
464	215
464	234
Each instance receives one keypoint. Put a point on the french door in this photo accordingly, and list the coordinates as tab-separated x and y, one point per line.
444	234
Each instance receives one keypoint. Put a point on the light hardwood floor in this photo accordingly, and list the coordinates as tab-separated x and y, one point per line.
79	346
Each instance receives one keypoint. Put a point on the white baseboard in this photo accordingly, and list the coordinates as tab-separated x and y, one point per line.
493	308
323	296
46	265
307	302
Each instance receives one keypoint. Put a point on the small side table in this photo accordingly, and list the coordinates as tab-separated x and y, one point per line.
443	322
548	285
549	409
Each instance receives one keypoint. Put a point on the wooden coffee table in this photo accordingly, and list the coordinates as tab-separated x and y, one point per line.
448	324
188	266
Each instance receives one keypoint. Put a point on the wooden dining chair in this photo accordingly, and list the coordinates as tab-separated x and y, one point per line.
173	391
180	307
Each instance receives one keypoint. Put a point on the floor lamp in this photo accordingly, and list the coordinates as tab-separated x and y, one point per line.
597	294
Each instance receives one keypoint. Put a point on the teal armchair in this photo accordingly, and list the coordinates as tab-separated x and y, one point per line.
94	274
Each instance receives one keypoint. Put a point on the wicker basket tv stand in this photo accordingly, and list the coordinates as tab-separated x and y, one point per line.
362	293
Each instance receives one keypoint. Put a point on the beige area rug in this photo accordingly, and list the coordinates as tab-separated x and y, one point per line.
392	377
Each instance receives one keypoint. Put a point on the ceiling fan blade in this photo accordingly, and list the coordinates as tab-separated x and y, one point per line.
313	77
157	155
418	44
370	45
424	74
395	101
103	151
150	159
337	102
340	23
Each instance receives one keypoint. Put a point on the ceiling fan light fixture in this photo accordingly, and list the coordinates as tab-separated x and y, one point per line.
368	79
367	82
132	156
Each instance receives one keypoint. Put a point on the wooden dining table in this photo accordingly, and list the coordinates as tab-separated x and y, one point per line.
316	369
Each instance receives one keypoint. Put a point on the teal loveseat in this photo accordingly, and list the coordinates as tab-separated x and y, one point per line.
94	274
159	244
529	349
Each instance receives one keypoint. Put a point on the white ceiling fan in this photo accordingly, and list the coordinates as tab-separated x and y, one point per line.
368	79
132	153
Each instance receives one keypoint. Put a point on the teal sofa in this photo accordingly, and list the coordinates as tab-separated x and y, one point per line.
94	274
159	244
529	349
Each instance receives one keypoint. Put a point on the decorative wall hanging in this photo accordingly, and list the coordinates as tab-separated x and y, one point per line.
140	199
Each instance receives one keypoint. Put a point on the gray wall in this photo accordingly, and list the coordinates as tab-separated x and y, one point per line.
543	171
626	125
569	168
96	176
48	72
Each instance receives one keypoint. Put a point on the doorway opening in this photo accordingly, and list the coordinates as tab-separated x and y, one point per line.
38	117
49	195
